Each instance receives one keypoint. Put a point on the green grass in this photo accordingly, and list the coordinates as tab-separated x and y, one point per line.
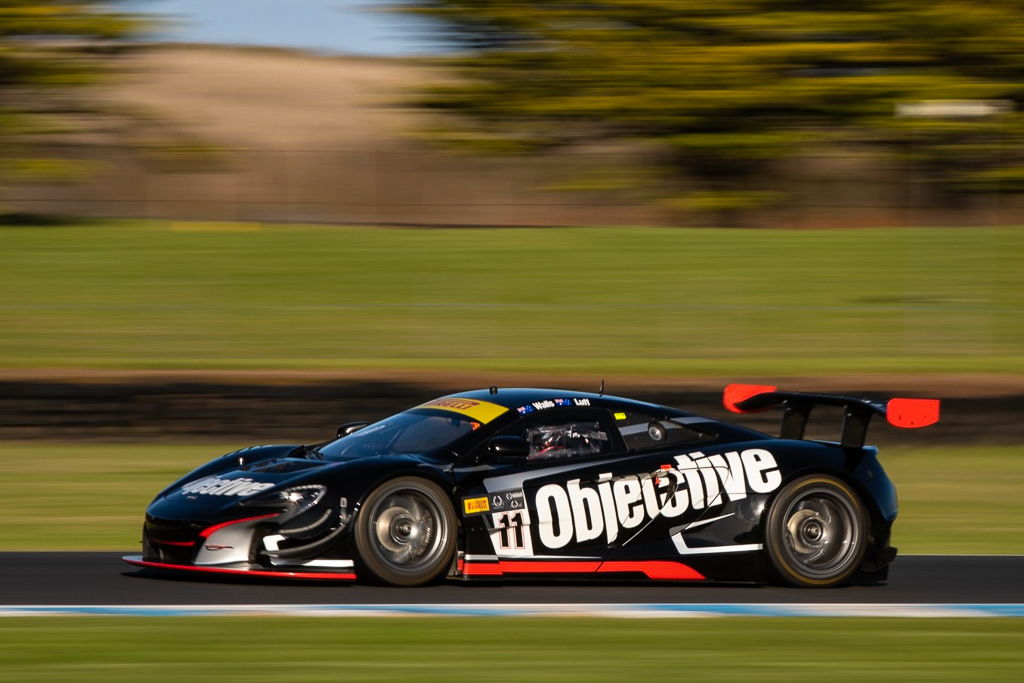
86	497
82	497
958	500
629	300
493	650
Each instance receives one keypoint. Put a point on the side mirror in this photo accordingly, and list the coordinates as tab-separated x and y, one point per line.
349	427
509	447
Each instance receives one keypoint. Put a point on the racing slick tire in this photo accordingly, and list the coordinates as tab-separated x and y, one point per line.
816	532
405	533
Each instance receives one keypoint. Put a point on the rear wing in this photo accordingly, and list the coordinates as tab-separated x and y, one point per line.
908	413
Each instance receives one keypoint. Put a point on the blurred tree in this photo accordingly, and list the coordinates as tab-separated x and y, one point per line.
48	49
725	89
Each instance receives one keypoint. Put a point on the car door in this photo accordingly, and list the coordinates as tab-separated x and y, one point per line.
526	504
706	505
577	495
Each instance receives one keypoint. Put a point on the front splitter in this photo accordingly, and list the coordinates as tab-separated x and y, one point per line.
241	571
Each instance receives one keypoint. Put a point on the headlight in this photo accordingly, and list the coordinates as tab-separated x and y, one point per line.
292	501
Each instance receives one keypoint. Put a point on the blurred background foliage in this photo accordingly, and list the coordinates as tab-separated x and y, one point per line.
49	49
723	90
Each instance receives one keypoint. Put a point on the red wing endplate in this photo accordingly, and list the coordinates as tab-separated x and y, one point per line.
735	394
912	413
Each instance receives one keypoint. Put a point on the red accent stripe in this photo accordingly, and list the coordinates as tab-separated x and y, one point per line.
206	533
530	567
180	543
480	569
348	576
656	570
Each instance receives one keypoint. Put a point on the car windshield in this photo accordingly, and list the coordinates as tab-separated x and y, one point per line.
414	431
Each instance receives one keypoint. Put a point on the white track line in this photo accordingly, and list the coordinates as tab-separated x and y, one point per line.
646	611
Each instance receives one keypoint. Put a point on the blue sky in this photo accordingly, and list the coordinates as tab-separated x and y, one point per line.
341	26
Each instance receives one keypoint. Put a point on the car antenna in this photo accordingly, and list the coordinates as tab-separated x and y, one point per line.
601	391
493	389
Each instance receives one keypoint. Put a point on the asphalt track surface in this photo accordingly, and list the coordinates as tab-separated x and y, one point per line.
94	578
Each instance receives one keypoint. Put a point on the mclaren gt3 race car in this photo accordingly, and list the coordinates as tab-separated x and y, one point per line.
540	483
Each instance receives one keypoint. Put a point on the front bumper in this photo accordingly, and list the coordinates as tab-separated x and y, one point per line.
243	546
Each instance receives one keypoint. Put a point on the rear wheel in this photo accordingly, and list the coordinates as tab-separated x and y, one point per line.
817	532
405	533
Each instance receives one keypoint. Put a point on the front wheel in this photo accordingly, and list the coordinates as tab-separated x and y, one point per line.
816	532
405	533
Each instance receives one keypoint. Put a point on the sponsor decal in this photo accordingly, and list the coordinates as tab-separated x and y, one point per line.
620	416
514	499
481	411
473	506
496	501
597	511
553	403
215	486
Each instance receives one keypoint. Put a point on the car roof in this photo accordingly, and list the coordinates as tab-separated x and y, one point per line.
513	397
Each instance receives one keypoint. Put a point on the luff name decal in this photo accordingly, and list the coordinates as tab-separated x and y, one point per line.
581	512
553	403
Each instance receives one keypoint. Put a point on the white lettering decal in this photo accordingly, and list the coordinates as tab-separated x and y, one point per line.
611	521
680	500
550	496
596	510
626	492
710	477
763	474
688	467
215	486
586	511
731	474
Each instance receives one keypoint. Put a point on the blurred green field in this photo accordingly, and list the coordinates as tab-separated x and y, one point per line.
92	496
632	300
482	649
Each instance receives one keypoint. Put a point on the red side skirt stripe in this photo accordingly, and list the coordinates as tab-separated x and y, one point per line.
656	570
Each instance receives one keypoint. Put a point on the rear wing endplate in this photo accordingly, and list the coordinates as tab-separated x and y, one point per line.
908	413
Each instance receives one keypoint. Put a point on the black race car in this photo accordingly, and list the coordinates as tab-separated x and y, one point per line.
547	483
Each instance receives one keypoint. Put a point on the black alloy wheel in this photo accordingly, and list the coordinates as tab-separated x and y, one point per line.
817	532
406	532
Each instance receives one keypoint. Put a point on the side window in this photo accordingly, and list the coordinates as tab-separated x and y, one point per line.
645	431
561	439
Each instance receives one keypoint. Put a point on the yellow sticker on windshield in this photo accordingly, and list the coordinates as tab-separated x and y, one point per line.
481	411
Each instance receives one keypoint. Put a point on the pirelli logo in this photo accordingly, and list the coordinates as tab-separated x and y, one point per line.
481	411
473	506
